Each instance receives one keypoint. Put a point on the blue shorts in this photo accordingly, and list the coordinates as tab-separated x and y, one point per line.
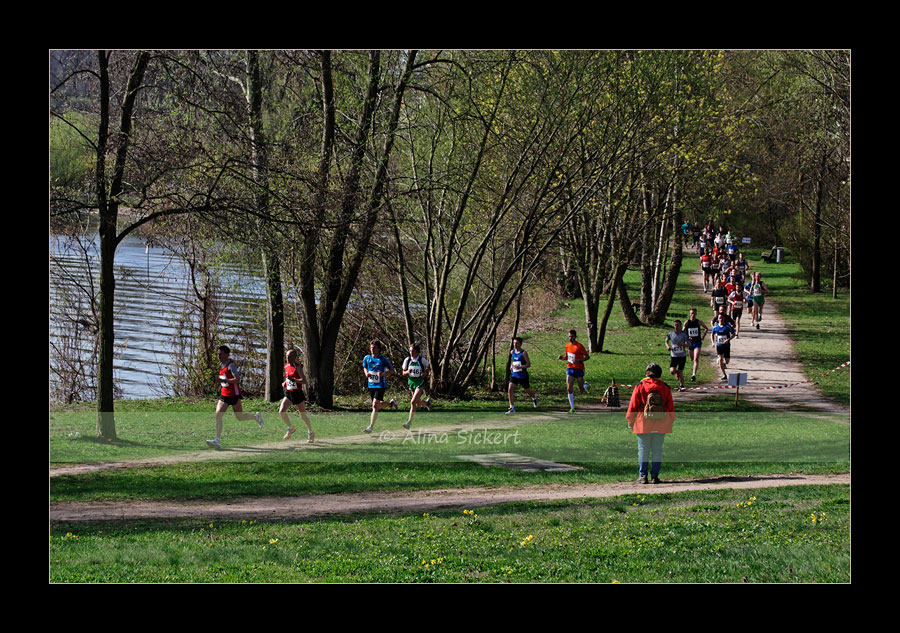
692	345
578	373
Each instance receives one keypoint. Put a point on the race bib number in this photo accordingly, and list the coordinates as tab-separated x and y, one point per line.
415	371
721	339
374	377
516	366
291	384
720	299
738	305
693	332
571	357
677	349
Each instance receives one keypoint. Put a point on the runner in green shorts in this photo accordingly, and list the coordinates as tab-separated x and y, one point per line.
414	368
758	291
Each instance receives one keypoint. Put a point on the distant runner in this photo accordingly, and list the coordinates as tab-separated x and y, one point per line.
415	368
719	297
229	395
736	299
519	364
708	270
677	343
575	356
294	396
758	291
377	369
695	339
721	335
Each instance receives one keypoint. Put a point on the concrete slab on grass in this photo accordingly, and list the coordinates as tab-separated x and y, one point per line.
518	462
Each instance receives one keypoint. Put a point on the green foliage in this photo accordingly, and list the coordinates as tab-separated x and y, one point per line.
72	157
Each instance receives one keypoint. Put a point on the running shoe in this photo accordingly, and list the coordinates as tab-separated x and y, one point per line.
757	326
310	437
510	410
681	388
572	410
643	479
393	404
654	480
534	400
587	387
368	429
259	419
407	424
694	378
214	443
724	377
290	432
428	404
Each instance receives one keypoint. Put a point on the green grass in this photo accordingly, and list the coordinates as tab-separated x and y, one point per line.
819	326
761	536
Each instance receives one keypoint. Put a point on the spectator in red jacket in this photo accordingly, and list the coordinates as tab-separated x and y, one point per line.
650	427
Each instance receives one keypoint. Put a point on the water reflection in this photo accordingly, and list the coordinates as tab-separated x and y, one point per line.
152	291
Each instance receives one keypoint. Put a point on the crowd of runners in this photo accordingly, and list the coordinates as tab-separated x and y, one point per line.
734	290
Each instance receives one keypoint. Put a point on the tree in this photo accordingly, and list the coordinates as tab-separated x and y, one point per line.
149	176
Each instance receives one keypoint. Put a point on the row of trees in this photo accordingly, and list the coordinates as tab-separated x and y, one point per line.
444	182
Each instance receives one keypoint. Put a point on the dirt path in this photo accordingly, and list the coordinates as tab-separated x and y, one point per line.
766	355
308	506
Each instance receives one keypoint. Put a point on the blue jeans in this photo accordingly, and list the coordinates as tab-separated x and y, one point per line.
650	444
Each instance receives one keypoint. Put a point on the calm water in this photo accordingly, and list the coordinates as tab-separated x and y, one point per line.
152	287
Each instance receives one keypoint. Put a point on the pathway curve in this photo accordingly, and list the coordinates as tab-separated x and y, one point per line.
766	355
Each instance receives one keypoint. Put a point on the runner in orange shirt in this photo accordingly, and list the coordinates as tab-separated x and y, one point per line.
575	356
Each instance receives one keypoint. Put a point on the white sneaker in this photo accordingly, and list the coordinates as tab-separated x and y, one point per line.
428	404
587	387
259	419
534	400
368	429
214	443
393	404
511	410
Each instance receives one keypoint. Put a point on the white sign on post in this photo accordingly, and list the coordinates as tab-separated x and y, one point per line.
737	380
745	240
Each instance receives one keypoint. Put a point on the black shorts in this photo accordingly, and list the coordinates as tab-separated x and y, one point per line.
736	313
678	362
230	400
724	350
295	396
377	393
525	382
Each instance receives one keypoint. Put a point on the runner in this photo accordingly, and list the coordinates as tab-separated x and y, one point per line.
677	342
722	312
721	335
742	264
293	395
706	267
229	395
377	369
695	234
736	300
415	366
718	298
692	326
518	366
575	356
758	291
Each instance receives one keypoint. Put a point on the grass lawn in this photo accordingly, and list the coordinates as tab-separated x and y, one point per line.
790	534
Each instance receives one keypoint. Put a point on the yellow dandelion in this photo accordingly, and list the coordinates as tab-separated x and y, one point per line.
272	541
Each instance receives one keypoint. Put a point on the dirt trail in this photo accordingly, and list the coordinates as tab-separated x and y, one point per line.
308	506
766	355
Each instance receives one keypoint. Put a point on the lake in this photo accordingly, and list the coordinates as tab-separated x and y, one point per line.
152	288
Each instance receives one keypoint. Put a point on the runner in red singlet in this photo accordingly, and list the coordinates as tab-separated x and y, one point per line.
229	395
293	395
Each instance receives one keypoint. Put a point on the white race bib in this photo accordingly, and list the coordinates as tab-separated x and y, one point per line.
415	371
693	332
721	339
571	357
516	366
677	349
291	384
